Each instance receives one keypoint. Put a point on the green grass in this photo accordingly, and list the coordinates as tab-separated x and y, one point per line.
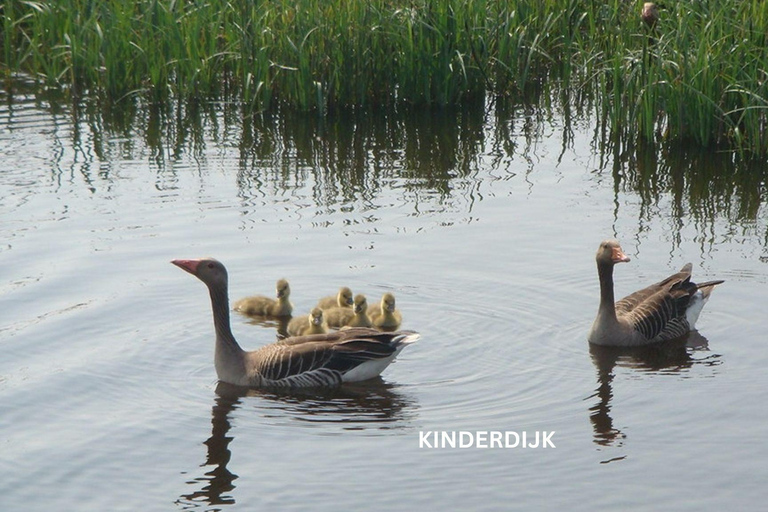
698	78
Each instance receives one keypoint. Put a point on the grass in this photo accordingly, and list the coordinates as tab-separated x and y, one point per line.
699	77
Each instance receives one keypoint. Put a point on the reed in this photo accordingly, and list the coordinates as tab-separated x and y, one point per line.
698	76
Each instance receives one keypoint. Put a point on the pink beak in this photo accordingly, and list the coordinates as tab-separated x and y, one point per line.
188	265
619	256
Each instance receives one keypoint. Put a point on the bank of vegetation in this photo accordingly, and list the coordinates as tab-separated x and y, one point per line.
699	75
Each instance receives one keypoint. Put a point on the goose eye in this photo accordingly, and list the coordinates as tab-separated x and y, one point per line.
210	265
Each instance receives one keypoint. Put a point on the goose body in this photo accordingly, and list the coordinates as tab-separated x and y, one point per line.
663	311
385	315
349	355
265	306
313	323
343	299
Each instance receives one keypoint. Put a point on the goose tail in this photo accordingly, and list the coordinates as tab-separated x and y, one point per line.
698	300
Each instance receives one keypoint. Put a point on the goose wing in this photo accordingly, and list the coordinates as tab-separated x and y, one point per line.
640	297
323	359
658	312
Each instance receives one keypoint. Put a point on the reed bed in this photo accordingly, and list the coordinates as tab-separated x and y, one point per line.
697	77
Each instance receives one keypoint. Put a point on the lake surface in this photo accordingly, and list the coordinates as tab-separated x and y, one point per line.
482	221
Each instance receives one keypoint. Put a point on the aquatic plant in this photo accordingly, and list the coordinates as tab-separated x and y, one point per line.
698	75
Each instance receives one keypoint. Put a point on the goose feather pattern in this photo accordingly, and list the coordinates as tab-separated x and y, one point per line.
348	355
663	311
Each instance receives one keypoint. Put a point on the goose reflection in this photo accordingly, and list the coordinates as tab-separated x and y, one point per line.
675	357
280	324
372	404
219	480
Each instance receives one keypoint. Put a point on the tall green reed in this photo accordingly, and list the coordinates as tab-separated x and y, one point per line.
698	77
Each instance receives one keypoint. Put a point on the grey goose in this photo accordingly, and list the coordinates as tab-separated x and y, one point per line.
663	311
348	355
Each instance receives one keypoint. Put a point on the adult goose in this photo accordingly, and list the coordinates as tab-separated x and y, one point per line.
259	305
349	355
663	311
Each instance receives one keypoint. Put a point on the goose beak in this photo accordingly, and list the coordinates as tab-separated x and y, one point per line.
188	265
618	255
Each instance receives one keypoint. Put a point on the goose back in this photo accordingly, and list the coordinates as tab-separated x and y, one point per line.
662	311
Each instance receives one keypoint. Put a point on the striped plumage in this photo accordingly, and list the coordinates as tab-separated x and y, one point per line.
327	359
348	355
663	311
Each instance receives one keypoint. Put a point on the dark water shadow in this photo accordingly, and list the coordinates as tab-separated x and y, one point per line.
688	186
372	405
214	486
676	358
279	324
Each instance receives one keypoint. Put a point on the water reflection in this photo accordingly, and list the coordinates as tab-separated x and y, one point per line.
370	405
676	357
433	156
216	483
440	160
691	186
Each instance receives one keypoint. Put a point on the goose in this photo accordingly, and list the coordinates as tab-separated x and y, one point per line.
265	306
650	14
361	318
349	355
384	315
663	311
313	323
345	317
343	299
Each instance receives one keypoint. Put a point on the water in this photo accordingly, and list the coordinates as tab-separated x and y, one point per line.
482	222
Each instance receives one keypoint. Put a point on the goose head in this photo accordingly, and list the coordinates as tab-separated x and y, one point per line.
316	317
609	253
283	289
209	270
361	304
345	298
388	302
650	14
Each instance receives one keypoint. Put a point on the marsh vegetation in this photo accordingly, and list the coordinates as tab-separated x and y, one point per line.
698	75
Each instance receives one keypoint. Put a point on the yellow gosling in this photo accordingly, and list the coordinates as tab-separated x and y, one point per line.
385	316
314	323
265	306
343	299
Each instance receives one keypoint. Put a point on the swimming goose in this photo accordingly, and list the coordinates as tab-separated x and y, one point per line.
361	318
343	299
663	311
384	315
313	323
345	317
266	306
349	355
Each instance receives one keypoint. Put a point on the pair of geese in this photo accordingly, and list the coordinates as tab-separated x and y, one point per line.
341	310
663	311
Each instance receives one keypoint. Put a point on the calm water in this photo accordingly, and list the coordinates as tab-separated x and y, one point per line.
483	222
